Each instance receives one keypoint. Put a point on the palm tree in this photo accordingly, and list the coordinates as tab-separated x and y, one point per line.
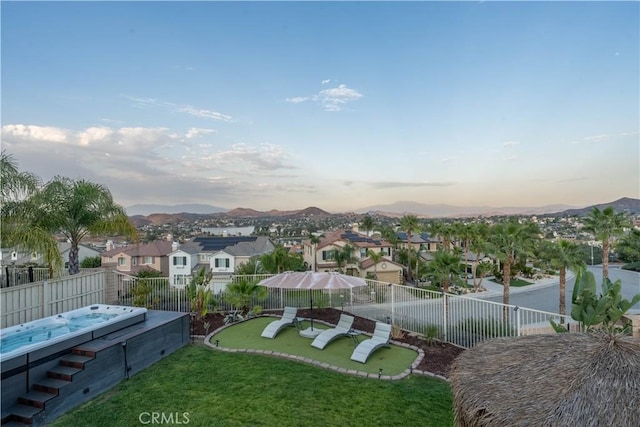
478	244
276	261
241	293
445	266
508	241
367	224
565	255
628	248
375	257
410	224
17	226
605	225
77	209
343	256
315	240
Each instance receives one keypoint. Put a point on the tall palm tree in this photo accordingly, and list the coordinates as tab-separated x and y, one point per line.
478	244
315	240
375	257
606	224
77	209
444	267
565	255
343	256
368	224
509	240
17	226
276	261
410	224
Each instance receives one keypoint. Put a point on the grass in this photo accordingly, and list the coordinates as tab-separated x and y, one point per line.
393	360
216	388
518	283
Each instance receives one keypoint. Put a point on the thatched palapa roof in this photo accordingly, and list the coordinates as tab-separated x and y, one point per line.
568	379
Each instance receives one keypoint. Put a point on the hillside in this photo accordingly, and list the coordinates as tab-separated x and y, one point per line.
625	204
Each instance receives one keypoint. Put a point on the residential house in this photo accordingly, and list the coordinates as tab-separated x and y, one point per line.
321	256
132	259
20	258
219	255
420	242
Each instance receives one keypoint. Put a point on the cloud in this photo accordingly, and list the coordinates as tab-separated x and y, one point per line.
266	157
181	108
194	132
297	100
407	184
604	137
510	144
326	81
39	133
447	159
333	99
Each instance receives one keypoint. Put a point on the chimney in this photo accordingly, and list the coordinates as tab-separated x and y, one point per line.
109	245
174	246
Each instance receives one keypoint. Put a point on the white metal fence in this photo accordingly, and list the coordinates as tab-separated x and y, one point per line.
457	319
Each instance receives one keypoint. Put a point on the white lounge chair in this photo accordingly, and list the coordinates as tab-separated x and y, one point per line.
342	328
381	337
288	319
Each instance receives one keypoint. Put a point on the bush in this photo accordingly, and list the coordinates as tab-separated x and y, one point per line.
91	262
487	328
632	266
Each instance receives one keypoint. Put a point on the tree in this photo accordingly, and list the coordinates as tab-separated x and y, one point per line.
280	260
315	240
367	224
241	293
375	257
77	209
343	256
605	225
410	224
508	240
199	294
444	267
628	247
91	262
18	225
478	244
565	255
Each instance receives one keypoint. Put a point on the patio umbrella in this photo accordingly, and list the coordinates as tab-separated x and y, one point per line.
568	379
312	280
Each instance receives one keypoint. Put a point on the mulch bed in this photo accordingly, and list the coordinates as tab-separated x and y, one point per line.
438	356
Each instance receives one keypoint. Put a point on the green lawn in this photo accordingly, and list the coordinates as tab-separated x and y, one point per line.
217	388
393	360
515	282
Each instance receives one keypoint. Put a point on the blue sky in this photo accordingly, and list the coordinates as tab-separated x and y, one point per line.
337	105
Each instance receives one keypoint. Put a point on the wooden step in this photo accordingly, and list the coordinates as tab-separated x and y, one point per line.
75	361
50	385
36	398
83	352
23	413
63	372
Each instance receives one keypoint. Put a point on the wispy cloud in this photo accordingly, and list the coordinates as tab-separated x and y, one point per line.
447	159
262	158
195	132
297	100
326	81
181	108
604	137
510	144
408	184
333	99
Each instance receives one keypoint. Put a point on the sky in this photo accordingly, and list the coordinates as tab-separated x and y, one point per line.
339	105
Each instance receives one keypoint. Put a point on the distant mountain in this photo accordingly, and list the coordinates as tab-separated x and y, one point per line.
172	209
625	204
450	211
252	213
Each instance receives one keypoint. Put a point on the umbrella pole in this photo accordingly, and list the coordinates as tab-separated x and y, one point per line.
311	300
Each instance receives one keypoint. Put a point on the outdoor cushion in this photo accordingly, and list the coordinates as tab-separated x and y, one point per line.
288	319
342	328
381	337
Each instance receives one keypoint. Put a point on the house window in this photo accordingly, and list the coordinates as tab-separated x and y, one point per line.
204	257
180	279
329	255
122	261
134	261
363	253
222	262
148	260
180	260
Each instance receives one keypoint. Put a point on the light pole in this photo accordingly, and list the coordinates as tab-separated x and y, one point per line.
591	245
255	270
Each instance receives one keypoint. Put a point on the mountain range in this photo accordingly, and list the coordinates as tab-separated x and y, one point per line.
163	213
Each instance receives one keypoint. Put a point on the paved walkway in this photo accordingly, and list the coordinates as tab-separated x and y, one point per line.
494	289
411	370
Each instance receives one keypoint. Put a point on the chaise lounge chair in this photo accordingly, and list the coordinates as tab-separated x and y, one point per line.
342	328
288	319
381	337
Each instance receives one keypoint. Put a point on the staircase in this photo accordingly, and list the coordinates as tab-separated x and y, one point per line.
34	402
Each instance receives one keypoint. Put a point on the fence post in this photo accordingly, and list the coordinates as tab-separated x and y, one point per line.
393	307
46	299
444	316
517	320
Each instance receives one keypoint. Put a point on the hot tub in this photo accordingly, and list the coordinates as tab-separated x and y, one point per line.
75	326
